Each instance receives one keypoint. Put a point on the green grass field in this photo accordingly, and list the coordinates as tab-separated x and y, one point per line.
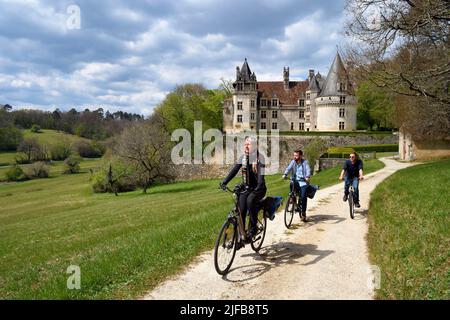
409	233
124	245
50	137
47	137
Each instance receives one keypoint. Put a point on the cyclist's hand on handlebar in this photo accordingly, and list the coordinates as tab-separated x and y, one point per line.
341	178
361	178
283	176
222	186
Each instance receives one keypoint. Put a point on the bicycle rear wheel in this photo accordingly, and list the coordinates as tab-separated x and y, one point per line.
289	211
351	205
258	239
225	248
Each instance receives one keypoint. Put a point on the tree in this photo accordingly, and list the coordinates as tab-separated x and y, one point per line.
32	150
375	106
404	47
146	146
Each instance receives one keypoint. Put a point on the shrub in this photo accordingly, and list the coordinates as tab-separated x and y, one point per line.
60	151
37	170
113	176
88	149
36	128
72	164
15	173
313	150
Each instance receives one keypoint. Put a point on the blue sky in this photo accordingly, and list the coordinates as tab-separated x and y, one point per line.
128	54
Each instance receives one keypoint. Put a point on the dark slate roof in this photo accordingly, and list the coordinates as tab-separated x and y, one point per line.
336	74
246	73
314	84
275	89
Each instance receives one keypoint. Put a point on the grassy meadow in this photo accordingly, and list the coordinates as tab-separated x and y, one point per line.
409	232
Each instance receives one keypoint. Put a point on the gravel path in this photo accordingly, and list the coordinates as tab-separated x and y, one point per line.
324	258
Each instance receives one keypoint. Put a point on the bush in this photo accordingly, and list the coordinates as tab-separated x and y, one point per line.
60	151
37	170
15	173
72	165
35	128
88	149
112	177
313	150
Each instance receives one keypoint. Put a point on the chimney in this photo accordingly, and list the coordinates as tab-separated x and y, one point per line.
286	77
238	73
311	74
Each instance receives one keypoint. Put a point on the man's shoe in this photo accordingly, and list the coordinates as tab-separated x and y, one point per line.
357	205
345	197
303	216
239	245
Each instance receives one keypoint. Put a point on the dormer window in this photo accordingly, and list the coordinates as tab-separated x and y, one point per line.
301	102
263	102
342	87
240	86
274	102
308	96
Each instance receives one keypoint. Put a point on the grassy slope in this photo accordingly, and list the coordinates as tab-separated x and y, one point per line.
409	232
47	137
124	245
51	136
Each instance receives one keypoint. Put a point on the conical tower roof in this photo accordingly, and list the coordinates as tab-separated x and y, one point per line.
246	73
337	74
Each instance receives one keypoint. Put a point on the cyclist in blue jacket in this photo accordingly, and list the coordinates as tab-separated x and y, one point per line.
300	177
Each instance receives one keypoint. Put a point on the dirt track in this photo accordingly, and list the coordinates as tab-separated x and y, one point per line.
324	258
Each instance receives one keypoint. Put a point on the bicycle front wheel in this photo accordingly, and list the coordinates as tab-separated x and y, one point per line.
289	211
351	205
258	239
225	248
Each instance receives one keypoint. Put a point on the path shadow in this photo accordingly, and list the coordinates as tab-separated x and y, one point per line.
361	214
315	219
276	255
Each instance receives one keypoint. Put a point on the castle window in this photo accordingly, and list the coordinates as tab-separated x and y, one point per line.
342	100
292	126
239	118
240	86
308	96
301	103
252	103
263	114
301	126
274	102
274	126
239	105
301	114
341	112
268	103
263	125
341	125
274	114
342	87
252	116
263	102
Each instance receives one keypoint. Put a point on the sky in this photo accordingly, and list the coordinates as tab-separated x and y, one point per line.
127	55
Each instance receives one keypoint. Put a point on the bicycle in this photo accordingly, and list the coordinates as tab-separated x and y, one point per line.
233	234
292	205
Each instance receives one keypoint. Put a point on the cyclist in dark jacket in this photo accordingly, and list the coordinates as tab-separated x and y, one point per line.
251	164
353	171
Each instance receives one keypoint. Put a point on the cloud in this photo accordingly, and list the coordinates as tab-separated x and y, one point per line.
129	55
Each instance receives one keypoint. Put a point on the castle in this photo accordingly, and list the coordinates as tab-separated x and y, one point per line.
316	104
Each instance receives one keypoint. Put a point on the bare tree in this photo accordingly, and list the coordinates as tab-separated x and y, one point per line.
403	46
147	147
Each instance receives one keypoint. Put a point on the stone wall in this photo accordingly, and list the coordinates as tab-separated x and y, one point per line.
287	145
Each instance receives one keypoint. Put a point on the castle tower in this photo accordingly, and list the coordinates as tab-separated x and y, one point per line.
336	105
244	99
